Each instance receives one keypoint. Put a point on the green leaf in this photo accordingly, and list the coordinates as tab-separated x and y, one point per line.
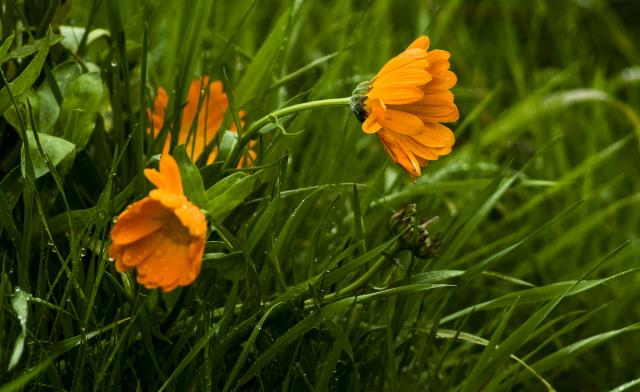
566	354
12	115
20	305
57	149
262	225
79	109
5	47
221	186
222	205
72	36
231	266
191	178
28	77
28	49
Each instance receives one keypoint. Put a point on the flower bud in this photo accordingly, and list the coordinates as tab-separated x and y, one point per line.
416	237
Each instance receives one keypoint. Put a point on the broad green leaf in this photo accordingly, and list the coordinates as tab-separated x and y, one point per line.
13	116
79	109
221	206
72	36
57	149
221	186
28	77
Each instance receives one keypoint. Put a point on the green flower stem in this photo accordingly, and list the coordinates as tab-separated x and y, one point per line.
253	129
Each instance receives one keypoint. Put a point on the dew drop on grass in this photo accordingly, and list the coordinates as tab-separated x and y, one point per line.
113	63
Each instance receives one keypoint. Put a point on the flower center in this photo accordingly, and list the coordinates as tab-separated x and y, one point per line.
175	231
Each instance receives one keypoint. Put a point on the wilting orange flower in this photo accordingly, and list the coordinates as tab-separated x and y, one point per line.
405	103
206	101
162	236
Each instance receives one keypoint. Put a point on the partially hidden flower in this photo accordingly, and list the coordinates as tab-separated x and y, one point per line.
405	104
162	236
207	102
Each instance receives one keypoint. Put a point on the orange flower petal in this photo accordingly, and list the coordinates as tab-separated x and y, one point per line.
420	43
442	82
399	154
169	169
401	122
165	266
416	58
371	124
435	135
401	79
137	252
417	148
155	178
137	221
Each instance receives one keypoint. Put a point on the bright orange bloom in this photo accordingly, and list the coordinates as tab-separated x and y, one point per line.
206	101
162	236
406	102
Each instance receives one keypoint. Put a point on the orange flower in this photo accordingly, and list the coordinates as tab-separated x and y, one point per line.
162	236
205	101
406	102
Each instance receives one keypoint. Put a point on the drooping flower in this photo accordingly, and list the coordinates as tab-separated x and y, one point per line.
405	104
208	103
162	236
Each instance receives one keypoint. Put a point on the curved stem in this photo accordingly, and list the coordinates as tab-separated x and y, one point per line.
253	129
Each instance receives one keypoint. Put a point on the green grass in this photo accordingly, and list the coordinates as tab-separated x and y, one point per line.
305	285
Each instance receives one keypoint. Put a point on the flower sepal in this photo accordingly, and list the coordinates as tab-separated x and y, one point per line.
358	98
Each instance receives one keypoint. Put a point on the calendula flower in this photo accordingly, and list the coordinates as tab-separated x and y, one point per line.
405	104
162	236
206	101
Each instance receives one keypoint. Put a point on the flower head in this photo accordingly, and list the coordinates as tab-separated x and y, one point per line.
206	102
162	236
405	103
